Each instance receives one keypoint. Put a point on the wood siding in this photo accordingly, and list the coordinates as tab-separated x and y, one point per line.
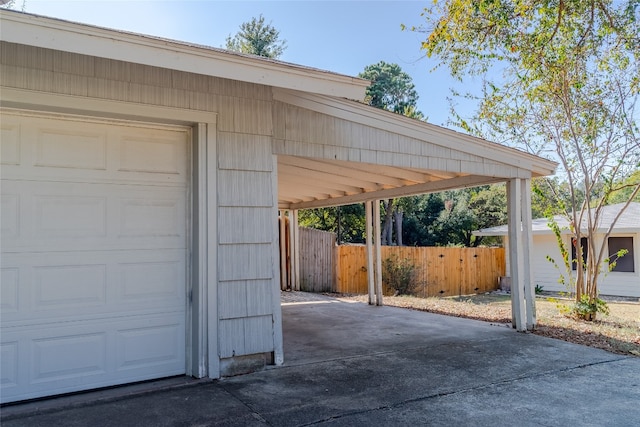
301	132
317	260
245	196
441	271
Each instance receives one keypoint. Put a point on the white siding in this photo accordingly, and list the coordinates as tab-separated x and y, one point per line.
300	132
547	275
245	196
246	268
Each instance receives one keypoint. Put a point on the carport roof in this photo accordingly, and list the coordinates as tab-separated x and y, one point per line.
411	157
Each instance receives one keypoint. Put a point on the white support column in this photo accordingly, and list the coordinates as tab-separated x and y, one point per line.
368	206
283	250
527	247
378	257
278	343
294	250
516	256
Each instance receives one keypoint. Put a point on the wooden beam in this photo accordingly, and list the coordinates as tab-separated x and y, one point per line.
368	208
394	172
409	190
295	190
516	257
344	170
314	182
328	177
436	173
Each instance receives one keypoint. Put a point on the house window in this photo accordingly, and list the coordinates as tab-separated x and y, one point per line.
624	263
574	251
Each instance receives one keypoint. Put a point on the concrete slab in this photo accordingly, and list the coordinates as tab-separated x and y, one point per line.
352	364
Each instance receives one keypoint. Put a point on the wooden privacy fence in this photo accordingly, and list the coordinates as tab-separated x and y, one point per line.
317	261
442	271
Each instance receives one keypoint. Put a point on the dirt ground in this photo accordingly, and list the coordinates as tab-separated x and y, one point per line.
619	332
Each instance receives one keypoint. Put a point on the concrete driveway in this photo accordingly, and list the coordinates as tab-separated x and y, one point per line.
349	364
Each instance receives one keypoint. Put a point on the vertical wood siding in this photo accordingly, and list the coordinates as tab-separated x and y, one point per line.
441	271
317	266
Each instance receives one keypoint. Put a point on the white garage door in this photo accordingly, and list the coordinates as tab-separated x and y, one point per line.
93	253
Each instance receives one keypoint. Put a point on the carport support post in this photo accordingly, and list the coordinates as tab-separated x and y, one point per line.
376	232
368	209
294	250
283	250
527	243
516	254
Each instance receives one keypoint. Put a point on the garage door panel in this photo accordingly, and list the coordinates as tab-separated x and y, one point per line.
71	148
80	216
94	258
63	358
149	346
45	287
9	214
9	289
9	142
151	155
67	149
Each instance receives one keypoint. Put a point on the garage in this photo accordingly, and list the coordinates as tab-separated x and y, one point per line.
94	249
141	183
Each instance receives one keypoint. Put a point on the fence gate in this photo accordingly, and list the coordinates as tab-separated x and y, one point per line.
317	265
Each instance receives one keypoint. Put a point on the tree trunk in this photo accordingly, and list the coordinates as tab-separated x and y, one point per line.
398	219
387	227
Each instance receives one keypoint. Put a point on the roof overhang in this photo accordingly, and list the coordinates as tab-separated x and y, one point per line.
50	33
331	179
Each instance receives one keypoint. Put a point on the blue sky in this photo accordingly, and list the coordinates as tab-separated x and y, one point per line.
340	36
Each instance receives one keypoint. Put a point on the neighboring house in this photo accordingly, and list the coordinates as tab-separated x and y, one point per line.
141	184
623	280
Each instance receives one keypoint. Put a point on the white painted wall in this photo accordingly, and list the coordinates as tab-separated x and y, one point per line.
546	275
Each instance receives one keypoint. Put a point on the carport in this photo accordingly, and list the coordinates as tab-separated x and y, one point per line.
334	152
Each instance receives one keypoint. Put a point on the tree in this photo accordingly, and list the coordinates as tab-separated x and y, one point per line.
393	90
346	221
470	209
625	188
560	77
257	38
13	4
420	227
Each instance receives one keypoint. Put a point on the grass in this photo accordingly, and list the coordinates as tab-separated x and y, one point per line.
619	332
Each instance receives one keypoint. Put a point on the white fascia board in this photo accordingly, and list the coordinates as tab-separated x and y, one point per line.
38	31
396	123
